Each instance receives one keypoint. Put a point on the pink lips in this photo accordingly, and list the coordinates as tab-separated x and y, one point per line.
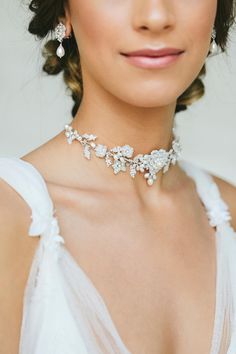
153	58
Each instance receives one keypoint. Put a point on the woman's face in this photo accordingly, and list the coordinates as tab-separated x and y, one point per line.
106	28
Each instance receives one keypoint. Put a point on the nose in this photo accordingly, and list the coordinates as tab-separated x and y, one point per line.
153	15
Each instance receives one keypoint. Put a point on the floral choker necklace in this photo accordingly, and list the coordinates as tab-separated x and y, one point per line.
120	157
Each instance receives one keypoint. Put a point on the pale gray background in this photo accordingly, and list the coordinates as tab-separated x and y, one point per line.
34	107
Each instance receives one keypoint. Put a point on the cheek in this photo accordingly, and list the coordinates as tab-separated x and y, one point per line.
98	28
94	26
195	28
198	25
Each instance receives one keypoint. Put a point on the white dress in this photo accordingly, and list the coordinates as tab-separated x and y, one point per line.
63	312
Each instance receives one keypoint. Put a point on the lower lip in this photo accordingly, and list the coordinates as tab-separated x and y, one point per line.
152	62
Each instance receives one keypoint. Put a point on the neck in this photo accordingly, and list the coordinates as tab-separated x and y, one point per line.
115	123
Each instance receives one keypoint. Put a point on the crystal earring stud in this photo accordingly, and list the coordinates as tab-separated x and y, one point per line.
60	32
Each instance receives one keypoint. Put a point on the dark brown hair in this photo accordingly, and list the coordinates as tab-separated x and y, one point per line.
45	19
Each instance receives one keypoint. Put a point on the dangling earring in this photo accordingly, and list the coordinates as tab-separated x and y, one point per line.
213	46
60	32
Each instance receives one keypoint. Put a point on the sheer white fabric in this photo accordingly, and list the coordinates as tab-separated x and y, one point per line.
63	312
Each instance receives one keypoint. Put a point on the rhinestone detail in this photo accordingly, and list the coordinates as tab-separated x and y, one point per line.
120	157
60	31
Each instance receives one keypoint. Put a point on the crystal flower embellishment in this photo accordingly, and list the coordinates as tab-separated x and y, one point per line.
120	157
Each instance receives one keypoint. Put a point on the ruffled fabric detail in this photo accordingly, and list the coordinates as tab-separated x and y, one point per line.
40	222
51	238
216	208
47	227
218	211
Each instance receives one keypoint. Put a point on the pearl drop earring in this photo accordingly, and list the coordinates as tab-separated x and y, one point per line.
213	46
60	32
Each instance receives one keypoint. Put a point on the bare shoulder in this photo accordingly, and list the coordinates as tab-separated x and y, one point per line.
228	193
16	253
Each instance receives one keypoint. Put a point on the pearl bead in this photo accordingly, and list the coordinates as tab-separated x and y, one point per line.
150	182
60	51
214	48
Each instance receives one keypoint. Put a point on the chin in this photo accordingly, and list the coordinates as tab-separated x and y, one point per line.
144	97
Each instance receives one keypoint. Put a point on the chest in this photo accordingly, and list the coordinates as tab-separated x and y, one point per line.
157	277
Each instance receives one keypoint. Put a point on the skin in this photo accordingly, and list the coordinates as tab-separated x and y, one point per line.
136	105
130	233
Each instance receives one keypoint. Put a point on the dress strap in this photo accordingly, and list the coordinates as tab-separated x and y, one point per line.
216	208
29	183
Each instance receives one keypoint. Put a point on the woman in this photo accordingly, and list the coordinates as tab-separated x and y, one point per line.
139	257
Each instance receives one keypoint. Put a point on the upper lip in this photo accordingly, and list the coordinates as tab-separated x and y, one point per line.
154	52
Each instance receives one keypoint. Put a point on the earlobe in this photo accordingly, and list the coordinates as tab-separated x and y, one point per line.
67	22
68	29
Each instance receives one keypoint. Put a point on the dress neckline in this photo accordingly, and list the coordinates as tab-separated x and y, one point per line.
218	278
